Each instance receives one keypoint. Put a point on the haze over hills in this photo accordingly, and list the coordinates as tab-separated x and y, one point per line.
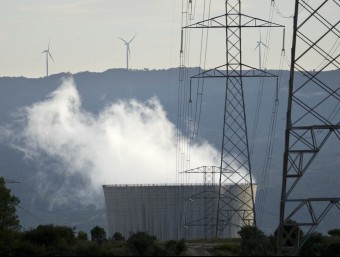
40	186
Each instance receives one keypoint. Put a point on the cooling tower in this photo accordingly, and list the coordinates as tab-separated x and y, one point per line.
169	212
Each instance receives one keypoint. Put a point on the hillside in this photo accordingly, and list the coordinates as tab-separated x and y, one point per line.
39	182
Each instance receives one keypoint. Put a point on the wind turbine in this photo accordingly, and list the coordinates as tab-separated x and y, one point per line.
259	43
127	50
47	54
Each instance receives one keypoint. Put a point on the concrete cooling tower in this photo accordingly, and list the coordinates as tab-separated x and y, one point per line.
170	212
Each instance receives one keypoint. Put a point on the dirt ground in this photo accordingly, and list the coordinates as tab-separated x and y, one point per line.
199	249
206	249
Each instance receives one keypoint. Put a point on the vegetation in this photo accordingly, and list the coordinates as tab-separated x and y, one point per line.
334	232
98	234
82	235
118	237
52	240
320	245
254	242
8	219
176	246
143	244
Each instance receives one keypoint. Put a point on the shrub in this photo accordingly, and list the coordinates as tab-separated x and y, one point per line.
141	243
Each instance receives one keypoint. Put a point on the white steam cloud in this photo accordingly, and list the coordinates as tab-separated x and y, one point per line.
128	142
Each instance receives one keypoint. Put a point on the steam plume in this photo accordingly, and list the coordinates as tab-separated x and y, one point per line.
127	142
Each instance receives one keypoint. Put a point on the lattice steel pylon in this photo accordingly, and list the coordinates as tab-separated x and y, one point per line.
235	167
207	199
311	121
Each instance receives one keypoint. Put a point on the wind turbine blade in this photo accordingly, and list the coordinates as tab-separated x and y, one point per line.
256	46
123	40
132	39
51	56
128	48
264	45
48	47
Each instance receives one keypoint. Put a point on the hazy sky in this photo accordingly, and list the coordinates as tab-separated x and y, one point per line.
84	33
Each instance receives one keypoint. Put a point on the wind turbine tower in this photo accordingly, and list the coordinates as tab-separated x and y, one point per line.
259	43
127	50
48	54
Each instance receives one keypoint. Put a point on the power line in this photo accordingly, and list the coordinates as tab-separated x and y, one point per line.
276	8
263	181
200	83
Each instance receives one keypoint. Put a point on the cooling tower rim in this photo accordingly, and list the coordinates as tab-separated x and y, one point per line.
168	185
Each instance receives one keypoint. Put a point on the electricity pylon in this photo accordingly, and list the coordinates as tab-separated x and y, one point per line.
311	121
235	168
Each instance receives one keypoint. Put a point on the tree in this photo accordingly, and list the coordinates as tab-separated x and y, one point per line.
313	246
118	237
98	234
50	235
82	235
334	232
332	247
254	242
9	221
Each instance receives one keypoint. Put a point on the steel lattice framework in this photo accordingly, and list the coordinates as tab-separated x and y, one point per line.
207	197
235	167
311	121
235	159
